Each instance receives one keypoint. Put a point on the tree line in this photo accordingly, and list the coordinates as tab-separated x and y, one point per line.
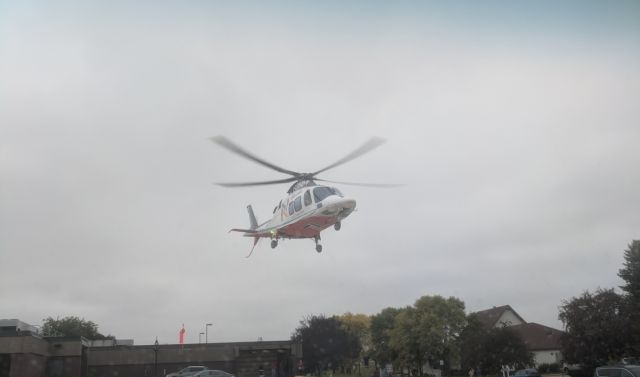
604	326
600	328
433	331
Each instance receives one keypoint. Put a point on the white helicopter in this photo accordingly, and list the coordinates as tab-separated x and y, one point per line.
309	208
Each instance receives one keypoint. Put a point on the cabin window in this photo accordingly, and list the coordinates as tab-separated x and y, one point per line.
298	203
320	193
291	208
307	198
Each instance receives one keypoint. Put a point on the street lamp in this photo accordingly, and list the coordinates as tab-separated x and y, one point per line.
156	346
206	330
200	337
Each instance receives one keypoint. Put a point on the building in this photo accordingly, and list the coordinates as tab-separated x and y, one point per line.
25	353
499	316
542	341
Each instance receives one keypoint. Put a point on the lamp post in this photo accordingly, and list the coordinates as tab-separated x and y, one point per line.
206	330
200	337
156	346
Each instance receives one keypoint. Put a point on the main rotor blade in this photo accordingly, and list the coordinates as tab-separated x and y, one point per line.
226	143
366	147
244	184
378	185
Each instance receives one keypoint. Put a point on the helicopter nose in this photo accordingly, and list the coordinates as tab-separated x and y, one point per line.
339	207
348	204
345	207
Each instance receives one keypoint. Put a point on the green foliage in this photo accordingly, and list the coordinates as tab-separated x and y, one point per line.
630	273
325	343
548	368
597	328
472	341
381	326
358	325
427	331
503	347
71	326
489	349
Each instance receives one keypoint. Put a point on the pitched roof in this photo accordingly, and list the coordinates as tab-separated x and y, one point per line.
490	317
538	337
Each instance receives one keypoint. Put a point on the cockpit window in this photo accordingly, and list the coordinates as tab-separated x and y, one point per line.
320	193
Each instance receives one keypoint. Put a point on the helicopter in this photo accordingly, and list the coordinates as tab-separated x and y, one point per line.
309	207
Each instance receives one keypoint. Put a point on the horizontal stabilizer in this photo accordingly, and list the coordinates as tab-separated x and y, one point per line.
244	230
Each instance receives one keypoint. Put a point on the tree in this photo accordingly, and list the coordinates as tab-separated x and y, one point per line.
381	326
472	342
504	347
490	349
405	342
428	331
630	273
71	326
325	343
359	326
597	328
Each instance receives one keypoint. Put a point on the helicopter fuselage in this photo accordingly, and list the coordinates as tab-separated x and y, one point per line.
304	213
307	212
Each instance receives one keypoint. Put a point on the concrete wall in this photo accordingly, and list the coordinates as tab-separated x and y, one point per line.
547	357
27	365
24	344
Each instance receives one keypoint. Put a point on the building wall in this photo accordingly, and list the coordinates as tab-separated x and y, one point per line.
24	344
276	359
27	365
508	318
547	357
26	355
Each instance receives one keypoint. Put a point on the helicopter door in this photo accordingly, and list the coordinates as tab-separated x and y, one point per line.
307	198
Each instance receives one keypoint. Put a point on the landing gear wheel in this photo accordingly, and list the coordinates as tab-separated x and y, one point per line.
337	226
318	246
274	243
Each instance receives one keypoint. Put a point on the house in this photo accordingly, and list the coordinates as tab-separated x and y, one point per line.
499	316
542	341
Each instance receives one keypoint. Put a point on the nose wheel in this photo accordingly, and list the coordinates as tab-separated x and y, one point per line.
318	246
337	226
274	243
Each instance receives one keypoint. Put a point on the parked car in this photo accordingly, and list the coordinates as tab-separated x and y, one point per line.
529	372
213	373
617	371
188	371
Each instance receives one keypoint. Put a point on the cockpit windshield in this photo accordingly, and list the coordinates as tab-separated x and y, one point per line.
320	193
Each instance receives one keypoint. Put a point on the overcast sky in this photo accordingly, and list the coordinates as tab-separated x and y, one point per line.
515	127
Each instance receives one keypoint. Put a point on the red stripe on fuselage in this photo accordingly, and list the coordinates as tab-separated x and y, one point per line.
307	227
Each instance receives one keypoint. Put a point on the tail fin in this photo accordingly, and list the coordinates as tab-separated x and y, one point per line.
252	217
